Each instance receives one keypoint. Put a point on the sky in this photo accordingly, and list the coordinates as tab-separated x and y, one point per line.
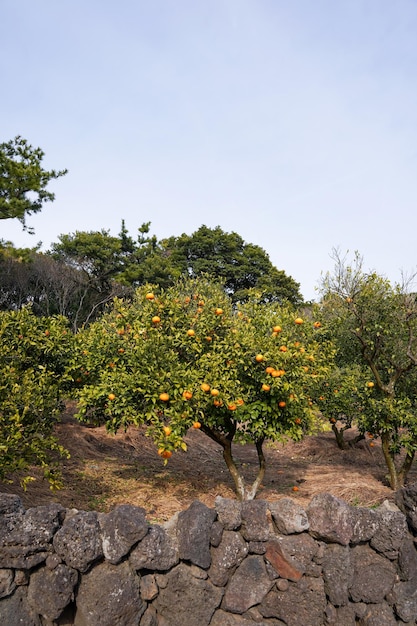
293	124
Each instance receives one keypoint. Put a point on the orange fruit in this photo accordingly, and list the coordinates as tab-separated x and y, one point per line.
111	396
166	454
266	387
239	402
283	348
208	338
156	319
269	369
282	404
217	403
111	365
370	384
298	320
231	407
295	488
47	333
298	420
316	325
150	296
164	397
121	350
196	425
201	303
277	329
167	430
205	387
187	299
121	331
187	395
218	311
214	392
259	358
191	332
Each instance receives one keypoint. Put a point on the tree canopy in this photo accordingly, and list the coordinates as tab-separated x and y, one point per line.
23	181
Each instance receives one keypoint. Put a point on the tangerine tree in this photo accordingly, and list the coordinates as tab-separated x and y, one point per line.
185	357
374	324
33	363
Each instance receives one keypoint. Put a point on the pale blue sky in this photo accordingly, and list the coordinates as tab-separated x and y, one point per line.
293	123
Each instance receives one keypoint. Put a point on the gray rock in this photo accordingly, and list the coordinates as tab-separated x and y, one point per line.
15	610
288	516
373	575
222	618
228	512
78	542
157	551
337	574
330	519
365	524
341	616
255	522
230	553
392	529
121	529
216	534
50	591
300	550
109	595
304	603
148	587
26	537
406	500
199	599
248	586
7	584
404	598
193	532
378	615
149	618
407	559
10	504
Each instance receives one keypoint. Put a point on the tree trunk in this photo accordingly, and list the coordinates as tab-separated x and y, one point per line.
243	491
393	476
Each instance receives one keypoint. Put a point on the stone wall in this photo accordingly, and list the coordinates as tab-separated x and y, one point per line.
238	564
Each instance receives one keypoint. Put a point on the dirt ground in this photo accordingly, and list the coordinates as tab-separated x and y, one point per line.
106	470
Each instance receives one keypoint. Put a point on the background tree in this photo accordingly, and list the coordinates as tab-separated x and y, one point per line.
185	357
23	181
374	323
226	256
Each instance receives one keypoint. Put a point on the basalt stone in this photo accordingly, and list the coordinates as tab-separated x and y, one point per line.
255	522
330	519
26	537
148	587
109	595
230	553
157	551
7	584
301	550
373	575
288	516
193	532
186	600
216	534
248	586
149	618
15	610
365	524
50	591
282	564
392	529
404	598
337	574
78	542
406	500
407	559
304	603
10	504
221	618
229	512
121	529
378	615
